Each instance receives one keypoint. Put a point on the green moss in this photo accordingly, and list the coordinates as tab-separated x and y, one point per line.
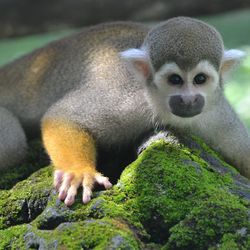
11	238
94	234
179	181
168	197
233	242
26	199
89	234
168	182
218	213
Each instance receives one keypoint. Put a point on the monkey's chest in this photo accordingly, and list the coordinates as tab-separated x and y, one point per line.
127	121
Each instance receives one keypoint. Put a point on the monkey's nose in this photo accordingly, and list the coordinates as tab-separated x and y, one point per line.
188	100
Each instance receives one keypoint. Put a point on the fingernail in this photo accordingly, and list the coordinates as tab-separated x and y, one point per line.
86	199
108	185
69	201
62	195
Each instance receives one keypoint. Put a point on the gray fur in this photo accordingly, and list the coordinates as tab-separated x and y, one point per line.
227	135
75	77
109	103
185	41
13	145
28	88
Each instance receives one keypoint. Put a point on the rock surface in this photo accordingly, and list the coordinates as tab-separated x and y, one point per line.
178	194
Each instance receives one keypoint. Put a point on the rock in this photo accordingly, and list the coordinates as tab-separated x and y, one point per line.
178	194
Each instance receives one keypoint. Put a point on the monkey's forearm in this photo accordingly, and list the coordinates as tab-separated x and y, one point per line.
73	153
224	132
235	147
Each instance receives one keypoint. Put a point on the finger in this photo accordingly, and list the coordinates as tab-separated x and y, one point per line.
87	193
102	180
65	186
88	182
58	176
72	191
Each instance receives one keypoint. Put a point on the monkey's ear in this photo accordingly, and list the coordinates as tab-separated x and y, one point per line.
139	60
230	59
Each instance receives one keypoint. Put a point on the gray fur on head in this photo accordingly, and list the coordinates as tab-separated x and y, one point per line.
184	40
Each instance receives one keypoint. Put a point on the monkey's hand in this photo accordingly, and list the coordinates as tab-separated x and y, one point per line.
67	184
73	153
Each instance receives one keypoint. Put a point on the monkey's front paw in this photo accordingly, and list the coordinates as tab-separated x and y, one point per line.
68	183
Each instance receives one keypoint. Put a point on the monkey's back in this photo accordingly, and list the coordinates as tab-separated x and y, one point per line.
31	84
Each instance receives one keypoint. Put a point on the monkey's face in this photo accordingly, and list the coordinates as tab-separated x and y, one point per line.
185	93
182	61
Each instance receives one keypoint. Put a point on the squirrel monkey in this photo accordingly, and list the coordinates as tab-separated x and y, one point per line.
109	84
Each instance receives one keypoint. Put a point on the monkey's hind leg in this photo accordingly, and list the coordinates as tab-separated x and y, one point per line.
73	153
13	144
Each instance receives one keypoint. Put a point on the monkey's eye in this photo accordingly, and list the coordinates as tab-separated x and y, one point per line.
200	78
175	79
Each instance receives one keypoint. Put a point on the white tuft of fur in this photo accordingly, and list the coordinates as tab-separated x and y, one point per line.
231	58
138	54
234	54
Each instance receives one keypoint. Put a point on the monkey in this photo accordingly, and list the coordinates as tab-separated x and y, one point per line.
106	86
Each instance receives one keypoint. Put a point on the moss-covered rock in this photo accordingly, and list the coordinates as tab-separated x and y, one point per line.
178	194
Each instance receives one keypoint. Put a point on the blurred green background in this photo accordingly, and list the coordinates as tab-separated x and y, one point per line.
234	27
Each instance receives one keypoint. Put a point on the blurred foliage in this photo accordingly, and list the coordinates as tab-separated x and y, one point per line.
233	26
13	48
238	89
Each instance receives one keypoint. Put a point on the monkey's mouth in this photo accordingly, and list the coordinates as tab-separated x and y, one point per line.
186	113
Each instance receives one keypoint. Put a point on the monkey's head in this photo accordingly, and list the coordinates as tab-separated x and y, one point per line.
183	62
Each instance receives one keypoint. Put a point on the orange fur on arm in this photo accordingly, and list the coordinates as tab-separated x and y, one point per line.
70	148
